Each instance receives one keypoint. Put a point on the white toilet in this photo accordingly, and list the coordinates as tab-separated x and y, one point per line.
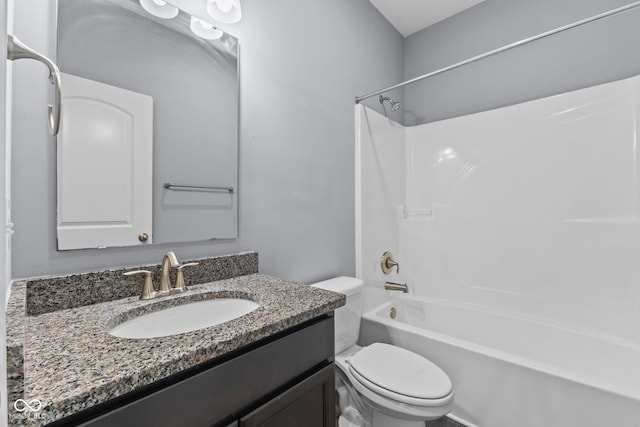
381	385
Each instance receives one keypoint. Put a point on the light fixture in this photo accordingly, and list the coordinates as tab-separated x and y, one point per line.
225	11
204	13
159	8
204	29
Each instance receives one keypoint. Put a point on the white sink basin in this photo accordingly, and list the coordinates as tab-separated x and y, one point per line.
184	318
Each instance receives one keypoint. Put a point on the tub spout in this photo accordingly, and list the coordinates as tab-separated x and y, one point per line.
392	286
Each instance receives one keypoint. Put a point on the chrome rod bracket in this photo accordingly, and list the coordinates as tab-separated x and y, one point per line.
18	50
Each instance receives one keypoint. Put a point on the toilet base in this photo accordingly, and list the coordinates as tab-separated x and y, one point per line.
343	422
382	420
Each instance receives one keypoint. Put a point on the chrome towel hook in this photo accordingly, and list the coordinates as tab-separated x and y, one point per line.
18	50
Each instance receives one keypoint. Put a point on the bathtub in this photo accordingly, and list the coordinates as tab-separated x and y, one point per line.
512	371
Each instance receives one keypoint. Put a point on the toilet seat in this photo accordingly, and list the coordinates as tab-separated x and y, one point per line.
427	409
401	375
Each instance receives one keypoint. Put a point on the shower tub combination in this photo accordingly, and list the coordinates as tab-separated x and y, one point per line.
517	233
508	369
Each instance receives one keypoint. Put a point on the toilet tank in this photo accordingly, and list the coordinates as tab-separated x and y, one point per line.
347	317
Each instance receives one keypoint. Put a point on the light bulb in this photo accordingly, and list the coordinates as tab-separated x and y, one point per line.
225	11
224	5
159	8
204	29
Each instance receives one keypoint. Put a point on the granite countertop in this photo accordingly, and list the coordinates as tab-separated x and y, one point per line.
72	363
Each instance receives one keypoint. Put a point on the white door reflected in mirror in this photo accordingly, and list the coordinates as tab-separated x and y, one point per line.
105	166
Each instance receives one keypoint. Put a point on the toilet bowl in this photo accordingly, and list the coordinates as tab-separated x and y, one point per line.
382	385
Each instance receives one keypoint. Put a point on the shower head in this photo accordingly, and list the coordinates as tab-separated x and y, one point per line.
395	106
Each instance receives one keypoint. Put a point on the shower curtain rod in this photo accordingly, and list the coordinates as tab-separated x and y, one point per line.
503	48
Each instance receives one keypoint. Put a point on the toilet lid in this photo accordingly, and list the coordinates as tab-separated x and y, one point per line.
400	371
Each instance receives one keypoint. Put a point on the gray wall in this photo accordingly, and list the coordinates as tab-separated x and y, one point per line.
303	61
599	52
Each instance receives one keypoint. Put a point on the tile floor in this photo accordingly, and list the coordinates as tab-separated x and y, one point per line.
443	422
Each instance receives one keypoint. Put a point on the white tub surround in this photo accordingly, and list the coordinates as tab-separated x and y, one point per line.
524	220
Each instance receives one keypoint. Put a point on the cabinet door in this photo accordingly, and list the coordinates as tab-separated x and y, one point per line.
309	403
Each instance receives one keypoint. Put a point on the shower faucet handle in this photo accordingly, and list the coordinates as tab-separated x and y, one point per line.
387	263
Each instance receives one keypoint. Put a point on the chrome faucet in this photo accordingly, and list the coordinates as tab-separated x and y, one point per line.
169	260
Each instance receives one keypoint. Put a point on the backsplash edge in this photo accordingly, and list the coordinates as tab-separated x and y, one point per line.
48	294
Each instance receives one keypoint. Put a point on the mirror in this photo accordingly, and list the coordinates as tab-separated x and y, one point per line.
193	86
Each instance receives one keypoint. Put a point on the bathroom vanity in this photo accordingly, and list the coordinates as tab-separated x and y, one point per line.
271	367
287	380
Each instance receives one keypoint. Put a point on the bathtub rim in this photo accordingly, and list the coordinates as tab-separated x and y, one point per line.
522	317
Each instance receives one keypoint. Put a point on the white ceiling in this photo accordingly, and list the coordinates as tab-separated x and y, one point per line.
409	16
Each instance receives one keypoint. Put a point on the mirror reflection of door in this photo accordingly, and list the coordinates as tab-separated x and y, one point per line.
105	151
194	86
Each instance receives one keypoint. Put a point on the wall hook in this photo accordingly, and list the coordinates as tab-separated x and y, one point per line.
18	50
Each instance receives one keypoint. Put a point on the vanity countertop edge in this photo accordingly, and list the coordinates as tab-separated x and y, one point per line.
70	362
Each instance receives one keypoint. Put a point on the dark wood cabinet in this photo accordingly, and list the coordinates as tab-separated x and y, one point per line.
305	404
286	380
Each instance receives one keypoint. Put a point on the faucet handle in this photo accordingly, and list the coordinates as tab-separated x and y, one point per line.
180	276
148	291
387	263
